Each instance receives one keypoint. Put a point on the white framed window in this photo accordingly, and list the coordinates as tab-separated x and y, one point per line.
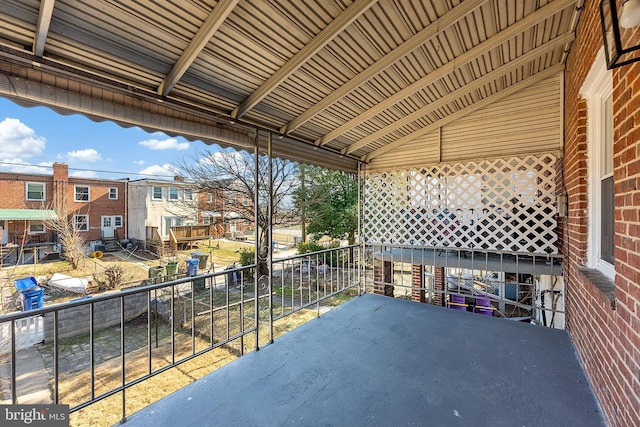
173	193
597	89
209	198
81	193
188	194
36	227
81	222
156	193
117	221
35	191
113	193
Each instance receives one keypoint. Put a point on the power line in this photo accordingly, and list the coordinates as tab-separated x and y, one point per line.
88	170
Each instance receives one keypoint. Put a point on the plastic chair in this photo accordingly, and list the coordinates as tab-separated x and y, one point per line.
457	302
483	306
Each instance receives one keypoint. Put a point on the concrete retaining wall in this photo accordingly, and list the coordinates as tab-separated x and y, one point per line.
75	321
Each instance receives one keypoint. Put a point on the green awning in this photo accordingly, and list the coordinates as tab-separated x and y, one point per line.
27	214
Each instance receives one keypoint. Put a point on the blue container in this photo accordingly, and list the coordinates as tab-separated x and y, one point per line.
233	277
25	284
192	267
33	299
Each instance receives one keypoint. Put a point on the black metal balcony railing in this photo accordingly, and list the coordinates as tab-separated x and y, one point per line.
151	329
521	286
167	324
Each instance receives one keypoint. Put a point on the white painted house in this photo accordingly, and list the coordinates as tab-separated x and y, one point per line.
161	204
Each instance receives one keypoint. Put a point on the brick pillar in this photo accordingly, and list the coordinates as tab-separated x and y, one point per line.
382	277
438	284
417	283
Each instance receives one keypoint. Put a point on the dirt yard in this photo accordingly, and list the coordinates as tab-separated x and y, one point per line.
115	270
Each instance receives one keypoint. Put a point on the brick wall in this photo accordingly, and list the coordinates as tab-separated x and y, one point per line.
606	332
13	191
75	321
13	196
99	205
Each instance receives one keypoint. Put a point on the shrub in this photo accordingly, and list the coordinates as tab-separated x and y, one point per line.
247	257
111	278
332	258
310	246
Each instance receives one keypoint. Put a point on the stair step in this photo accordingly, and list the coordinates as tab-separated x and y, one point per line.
111	245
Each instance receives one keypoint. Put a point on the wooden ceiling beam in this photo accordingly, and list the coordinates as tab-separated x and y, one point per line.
530	81
446	20
336	27
42	28
468	88
470	55
220	12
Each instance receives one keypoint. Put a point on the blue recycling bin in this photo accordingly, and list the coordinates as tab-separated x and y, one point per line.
25	284
192	266
31	295
233	277
33	299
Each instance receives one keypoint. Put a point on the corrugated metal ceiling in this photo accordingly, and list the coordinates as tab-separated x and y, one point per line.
337	81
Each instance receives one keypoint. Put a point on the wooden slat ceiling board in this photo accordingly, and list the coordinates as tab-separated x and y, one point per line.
353	79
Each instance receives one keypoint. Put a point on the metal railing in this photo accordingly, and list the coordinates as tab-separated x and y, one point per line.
521	286
97	347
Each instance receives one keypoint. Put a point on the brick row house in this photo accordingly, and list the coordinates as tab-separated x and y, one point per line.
230	211
96	206
139	210
602	230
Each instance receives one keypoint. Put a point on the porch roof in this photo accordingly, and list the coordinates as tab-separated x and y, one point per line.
338	82
27	214
381	361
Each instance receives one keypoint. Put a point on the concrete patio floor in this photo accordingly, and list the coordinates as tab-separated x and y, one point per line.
381	361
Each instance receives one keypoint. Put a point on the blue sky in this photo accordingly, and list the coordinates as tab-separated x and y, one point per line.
31	138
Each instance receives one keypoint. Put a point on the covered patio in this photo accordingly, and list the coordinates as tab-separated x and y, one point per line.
471	126
389	362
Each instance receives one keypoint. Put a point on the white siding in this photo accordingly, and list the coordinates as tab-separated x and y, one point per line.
527	122
424	150
530	121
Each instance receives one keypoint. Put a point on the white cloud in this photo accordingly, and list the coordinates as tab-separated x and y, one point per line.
164	144
19	140
139	162
18	166
84	174
88	155
165	170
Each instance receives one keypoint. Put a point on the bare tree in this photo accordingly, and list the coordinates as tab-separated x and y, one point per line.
70	235
232	175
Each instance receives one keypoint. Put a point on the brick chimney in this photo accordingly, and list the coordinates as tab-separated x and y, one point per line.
178	178
60	172
60	181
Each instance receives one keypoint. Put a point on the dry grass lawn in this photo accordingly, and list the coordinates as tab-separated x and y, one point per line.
109	411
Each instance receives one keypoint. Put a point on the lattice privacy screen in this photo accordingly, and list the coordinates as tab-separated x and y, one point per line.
505	205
